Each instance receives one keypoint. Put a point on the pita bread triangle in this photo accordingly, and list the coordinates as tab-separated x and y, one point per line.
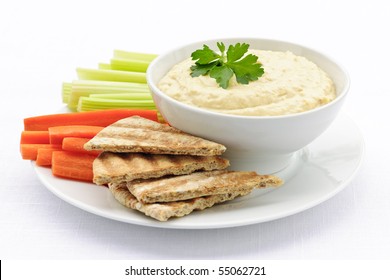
199	184
136	134
123	167
164	211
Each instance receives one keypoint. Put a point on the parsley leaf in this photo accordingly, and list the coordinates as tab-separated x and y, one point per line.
205	55
247	69
202	69
222	74
223	66
234	53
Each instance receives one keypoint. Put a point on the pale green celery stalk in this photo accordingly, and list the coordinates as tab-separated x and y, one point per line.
129	65
107	84
111	75
75	96
88	87
124	96
104	66
119	54
92	103
66	90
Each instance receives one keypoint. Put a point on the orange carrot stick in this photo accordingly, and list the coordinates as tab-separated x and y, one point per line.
34	137
72	165
95	118
44	156
76	144
30	151
58	133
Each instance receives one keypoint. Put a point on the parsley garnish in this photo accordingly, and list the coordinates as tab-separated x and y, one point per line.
223	66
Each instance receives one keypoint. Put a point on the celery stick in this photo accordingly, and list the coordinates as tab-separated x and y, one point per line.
129	65
87	87
93	86
111	75
104	66
105	102
66	90
123	96
107	84
91	103
75	95
134	55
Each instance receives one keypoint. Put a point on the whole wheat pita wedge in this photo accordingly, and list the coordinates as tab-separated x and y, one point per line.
120	167
198	184
136	134
166	210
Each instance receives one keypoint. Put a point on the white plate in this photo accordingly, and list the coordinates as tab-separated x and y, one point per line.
317	173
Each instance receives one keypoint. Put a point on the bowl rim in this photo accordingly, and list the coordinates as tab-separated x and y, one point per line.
157	91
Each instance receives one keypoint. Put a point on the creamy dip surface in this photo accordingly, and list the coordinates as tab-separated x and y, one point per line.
290	84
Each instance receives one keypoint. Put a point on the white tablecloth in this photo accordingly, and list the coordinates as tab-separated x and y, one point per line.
42	42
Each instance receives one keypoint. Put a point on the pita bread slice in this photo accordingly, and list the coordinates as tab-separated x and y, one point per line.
120	167
164	211
136	134
198	184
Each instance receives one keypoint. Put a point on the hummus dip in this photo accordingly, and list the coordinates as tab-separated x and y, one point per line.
290	84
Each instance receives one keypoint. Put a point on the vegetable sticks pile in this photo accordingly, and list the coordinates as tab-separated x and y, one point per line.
121	83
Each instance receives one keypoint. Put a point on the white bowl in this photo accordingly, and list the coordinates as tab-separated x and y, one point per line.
261	143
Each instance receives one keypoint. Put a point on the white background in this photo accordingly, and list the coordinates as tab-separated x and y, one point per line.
41	44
